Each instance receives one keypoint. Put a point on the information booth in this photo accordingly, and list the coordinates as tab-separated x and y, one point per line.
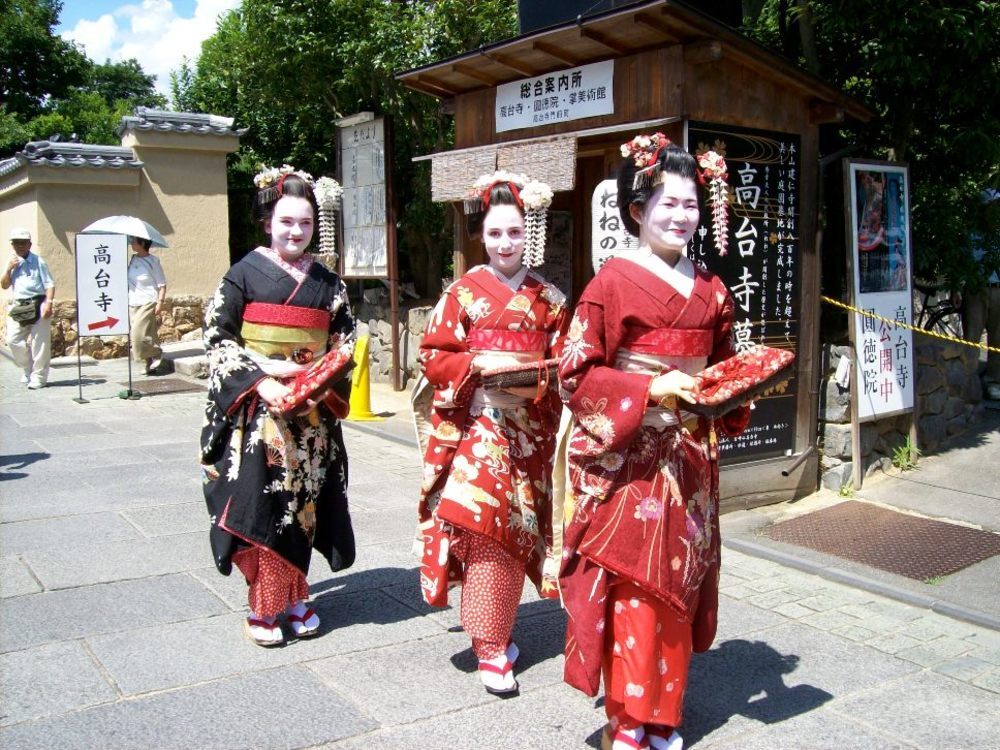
557	103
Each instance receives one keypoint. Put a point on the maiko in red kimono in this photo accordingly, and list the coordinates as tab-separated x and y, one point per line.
488	461
641	550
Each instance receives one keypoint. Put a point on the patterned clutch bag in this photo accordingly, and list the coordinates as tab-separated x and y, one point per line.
530	374
728	384
327	370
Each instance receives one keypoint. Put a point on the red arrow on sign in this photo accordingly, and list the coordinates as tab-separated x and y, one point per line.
108	322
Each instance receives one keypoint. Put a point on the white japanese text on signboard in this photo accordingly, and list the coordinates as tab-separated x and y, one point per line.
587	91
102	284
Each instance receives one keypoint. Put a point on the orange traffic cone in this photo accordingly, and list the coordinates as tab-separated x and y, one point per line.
361	397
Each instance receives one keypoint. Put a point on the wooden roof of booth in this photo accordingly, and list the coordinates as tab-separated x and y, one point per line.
616	33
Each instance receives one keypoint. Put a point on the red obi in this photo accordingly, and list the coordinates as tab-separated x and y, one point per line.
678	342
501	340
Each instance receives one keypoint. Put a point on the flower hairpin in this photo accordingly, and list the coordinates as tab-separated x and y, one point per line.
269	176
714	173
644	150
328	193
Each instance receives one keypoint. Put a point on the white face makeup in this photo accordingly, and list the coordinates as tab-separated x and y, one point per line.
291	226
670	217
503	236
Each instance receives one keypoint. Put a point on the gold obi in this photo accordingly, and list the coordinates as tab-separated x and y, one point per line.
299	345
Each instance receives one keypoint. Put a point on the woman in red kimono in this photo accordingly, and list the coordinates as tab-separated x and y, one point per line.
485	512
641	549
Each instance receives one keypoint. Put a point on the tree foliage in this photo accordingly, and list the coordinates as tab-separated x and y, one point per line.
325	59
48	86
931	73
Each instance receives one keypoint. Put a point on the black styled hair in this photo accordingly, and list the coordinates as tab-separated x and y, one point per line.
268	197
500	195
672	159
146	244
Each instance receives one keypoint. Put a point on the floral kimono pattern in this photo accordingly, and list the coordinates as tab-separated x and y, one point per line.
280	483
487	469
642	505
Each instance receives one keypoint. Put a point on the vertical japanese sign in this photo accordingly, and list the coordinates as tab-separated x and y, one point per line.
587	91
102	284
761	268
362	170
881	260
608	236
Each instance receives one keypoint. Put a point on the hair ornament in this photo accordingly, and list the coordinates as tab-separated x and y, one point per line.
328	193
644	150
714	174
532	196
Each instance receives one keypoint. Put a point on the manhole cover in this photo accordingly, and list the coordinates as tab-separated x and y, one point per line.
909	546
156	386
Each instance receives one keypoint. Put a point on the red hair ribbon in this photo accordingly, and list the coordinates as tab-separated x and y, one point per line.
513	189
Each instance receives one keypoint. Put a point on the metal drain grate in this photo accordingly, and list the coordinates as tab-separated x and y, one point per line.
157	386
909	546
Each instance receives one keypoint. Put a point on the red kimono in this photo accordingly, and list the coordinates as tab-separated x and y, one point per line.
641	550
488	461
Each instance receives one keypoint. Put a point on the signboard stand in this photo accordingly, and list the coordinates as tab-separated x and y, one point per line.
101	296
880	266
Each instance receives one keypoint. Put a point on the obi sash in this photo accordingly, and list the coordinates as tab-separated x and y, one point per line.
285	332
522	346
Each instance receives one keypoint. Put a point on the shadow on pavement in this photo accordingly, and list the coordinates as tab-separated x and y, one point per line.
744	678
10	464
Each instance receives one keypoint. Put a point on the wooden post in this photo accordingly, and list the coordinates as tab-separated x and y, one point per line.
390	245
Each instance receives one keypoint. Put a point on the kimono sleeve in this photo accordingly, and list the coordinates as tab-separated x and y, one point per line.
232	375
445	355
608	404
733	423
343	336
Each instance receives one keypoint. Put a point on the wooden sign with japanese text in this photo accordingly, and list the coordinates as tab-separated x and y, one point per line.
881	264
102	284
363	216
761	266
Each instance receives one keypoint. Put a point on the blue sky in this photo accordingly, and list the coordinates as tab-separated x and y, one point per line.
158	33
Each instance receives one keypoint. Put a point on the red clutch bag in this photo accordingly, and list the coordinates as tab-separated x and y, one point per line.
529	374
324	372
728	384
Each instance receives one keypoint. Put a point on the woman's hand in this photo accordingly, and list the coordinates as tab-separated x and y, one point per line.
524	391
674	383
272	391
487	361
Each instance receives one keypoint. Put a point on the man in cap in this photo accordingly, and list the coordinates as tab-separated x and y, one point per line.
30	343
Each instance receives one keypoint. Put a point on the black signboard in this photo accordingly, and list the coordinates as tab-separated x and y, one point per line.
761	265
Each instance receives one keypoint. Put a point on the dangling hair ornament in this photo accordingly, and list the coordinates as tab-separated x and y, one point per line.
714	174
328	192
644	150
533	196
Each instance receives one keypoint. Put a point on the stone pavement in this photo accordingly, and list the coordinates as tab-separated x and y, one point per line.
117	632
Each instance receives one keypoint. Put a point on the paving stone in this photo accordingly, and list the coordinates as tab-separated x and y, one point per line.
27	621
989	681
569	720
280	708
380	526
771	599
764	584
961	716
894	643
984	637
54	533
829	620
932	652
165	520
992	655
816	730
854	633
31	431
35	683
965	668
931	627
739	591
379	492
820	602
738	619
84	564
794	610
16	579
177	654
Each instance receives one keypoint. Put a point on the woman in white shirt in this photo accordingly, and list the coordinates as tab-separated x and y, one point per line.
147	288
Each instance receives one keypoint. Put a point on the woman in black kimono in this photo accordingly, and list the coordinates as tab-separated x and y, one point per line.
276	486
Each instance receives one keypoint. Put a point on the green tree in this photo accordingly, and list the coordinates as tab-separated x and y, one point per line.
124	81
931	73
326	59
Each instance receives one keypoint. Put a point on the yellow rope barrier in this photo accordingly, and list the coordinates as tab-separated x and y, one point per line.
890	321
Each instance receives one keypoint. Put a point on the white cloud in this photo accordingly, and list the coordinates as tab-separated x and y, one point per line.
152	32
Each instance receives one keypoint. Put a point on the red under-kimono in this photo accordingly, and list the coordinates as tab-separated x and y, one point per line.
641	547
488	461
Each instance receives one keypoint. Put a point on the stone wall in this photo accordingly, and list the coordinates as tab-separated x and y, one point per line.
373	320
949	401
182	320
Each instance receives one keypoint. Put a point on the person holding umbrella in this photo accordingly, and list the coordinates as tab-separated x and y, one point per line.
147	288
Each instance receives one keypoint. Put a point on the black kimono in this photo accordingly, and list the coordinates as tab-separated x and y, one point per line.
274	482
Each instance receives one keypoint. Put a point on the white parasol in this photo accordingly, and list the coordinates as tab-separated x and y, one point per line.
130	225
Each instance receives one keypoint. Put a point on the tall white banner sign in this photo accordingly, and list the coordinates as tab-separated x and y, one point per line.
102	284
362	167
608	234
